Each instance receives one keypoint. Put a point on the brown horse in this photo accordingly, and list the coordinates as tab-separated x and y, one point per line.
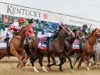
88	47
35	53
57	47
17	44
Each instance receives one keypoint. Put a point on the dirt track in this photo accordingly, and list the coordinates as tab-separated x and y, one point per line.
8	67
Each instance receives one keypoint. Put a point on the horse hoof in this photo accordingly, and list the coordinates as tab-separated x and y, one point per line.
60	69
44	69
19	66
35	69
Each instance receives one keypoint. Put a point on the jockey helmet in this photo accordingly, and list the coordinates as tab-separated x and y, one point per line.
62	24
21	20
85	25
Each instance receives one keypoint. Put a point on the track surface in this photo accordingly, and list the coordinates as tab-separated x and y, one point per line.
8	67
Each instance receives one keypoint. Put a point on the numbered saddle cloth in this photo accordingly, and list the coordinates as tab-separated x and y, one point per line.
42	44
3	45
76	44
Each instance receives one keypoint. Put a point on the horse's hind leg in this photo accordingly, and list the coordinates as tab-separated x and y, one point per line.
40	62
82	57
32	60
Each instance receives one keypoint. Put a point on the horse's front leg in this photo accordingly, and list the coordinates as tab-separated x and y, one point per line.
24	57
40	62
53	59
81	59
62	60
14	52
70	61
88	61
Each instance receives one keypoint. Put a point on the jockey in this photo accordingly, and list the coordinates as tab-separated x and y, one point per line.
50	32
15	27
83	29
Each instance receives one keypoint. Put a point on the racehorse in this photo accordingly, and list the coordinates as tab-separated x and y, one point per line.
57	47
88	47
35	53
17	44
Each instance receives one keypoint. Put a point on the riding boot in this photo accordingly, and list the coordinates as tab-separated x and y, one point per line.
8	47
80	46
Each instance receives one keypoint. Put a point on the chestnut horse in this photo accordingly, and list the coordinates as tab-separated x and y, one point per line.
17	44
88	47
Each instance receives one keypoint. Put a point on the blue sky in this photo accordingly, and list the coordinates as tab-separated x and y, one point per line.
89	9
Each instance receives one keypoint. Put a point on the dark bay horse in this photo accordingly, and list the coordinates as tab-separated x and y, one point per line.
88	47
17	44
57	47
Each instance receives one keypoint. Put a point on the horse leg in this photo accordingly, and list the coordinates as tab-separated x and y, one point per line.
77	59
62	60
48	56
88	61
82	57
18	56
53	59
69	59
95	57
40	62
24	58
32	60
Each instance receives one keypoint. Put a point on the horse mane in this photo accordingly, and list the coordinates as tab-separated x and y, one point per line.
61	33
17	33
91	33
63	30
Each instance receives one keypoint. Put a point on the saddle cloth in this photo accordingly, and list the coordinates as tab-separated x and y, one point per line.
76	45
3	44
42	44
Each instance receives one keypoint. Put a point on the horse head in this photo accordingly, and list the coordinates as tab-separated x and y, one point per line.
97	32
67	31
26	32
